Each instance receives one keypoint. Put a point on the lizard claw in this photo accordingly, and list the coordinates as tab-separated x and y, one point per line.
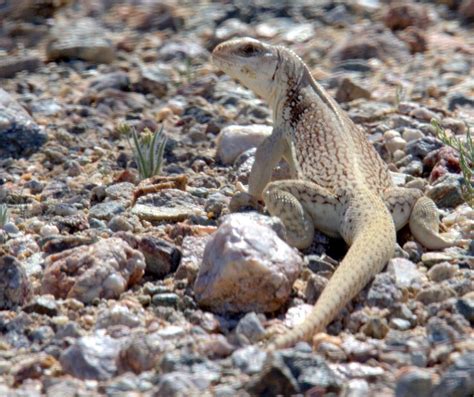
243	200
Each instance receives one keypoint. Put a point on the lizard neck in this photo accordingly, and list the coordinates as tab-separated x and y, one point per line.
290	85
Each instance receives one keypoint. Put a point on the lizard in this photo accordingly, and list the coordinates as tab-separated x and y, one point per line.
338	182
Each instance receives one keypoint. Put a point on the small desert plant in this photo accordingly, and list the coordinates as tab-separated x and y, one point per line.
4	214
148	148
466	156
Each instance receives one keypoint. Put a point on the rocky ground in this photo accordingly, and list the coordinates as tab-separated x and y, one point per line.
114	286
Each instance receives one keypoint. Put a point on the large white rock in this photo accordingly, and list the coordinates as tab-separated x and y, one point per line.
246	267
233	140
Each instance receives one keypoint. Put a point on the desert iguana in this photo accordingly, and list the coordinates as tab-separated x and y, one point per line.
339	184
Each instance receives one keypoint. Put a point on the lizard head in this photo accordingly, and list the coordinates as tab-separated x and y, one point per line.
250	61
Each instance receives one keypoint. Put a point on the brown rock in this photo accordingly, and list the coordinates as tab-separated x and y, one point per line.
84	39
366	45
415	39
349	90
15	289
102	270
466	9
9	66
403	15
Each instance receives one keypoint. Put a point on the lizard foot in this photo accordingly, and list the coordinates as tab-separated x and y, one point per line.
243	200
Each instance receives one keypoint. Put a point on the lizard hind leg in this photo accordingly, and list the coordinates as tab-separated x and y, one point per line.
302	206
425	225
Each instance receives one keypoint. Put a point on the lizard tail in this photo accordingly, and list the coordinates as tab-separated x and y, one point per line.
372	247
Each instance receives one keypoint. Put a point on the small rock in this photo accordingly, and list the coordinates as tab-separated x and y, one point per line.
314	287
400	324
119	315
191	259
419	148
435	294
393	141
423	114
15	288
356	388
275	379
348	90
161	256
466	9
43	304
120	223
384	292
318	264
250	328
49	230
414	251
33	367
375	327
11	65
415	382
458	99
458	379
412	134
116	80
92	357
155	80
167	299
331	351
107	209
234	140
442	271
415	38
142	352
405	272
249	359
402	15
19	134
167	205
84	39
458	127
102	270
177	384
178	50
370	44
246	267
430	259
465	306
120	191
447	192
10	228
311	371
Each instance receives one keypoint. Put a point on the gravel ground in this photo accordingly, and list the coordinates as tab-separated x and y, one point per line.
111	285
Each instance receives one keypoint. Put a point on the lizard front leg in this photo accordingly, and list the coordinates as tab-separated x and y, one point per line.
302	206
268	154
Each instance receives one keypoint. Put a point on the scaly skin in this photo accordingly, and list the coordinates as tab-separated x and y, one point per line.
339	184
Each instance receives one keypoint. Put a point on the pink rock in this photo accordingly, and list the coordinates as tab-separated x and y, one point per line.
101	270
246	267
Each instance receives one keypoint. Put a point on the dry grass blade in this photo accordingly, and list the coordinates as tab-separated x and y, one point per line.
4	214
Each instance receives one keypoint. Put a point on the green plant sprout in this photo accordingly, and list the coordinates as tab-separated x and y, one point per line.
466	156
148	149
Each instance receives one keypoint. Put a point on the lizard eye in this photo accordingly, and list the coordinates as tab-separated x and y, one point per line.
249	50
